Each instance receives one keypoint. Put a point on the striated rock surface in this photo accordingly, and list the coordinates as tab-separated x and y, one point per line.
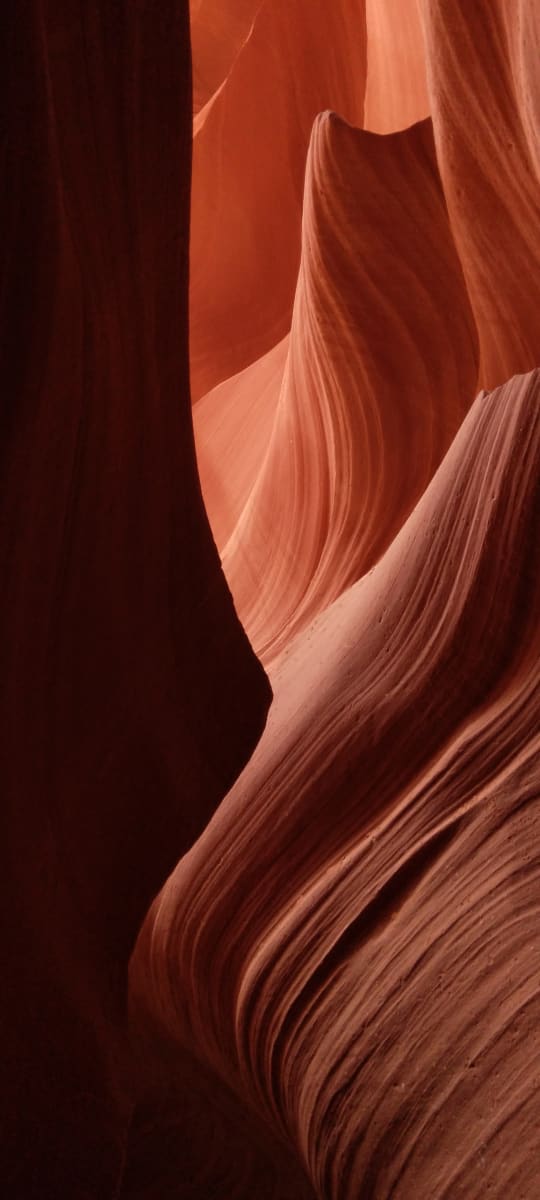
351	948
336	993
249	157
129	696
522	27
382	366
233	425
484	88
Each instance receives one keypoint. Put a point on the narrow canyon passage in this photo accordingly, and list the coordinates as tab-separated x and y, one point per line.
270	589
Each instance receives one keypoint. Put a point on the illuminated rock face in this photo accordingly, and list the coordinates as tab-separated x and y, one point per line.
396	86
336	994
490	165
351	947
130	698
249	152
233	425
333	944
380	358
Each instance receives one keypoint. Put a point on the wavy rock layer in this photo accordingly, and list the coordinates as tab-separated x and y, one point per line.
249	157
382	366
396	88
522	25
218	33
233	426
351	947
129	695
485	99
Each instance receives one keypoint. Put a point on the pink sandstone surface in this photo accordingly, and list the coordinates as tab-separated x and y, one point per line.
294	958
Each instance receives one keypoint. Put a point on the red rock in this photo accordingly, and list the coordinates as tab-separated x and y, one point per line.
382	366
249	158
218	33
130	697
233	425
485	98
351	948
396	86
335	978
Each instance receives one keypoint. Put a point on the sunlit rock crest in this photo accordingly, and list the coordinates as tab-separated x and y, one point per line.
379	358
351	946
340	982
249	150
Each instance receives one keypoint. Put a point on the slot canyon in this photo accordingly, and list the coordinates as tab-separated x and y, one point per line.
270	599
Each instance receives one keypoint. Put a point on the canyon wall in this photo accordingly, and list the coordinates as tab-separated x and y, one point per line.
130	697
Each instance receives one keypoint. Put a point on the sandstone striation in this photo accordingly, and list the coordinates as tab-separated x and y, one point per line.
294	959
249	157
382	366
130	697
351	948
482	62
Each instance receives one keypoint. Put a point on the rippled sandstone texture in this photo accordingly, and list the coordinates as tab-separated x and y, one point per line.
249	150
218	34
484	85
351	949
336	483
129	695
335	993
